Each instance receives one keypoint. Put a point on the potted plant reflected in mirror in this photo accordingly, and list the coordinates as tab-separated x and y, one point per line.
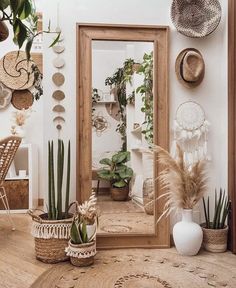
118	174
215	231
82	244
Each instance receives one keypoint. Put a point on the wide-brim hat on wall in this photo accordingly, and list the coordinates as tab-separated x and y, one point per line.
190	67
196	18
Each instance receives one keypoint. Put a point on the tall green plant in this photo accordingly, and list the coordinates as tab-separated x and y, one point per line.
221	211
146	90
55	210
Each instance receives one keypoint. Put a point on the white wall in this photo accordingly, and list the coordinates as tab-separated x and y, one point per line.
211	94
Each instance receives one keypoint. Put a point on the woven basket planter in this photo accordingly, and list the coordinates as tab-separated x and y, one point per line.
51	238
81	255
215	240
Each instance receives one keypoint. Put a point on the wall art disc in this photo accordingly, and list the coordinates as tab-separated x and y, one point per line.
58	79
38	60
22	99
5	96
58	119
59	63
58	108
58	95
190	115
58	49
15	70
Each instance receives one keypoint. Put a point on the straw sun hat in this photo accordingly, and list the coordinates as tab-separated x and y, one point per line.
196	18
190	67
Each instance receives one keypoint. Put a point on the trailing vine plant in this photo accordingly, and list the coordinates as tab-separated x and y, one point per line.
119	79
146	90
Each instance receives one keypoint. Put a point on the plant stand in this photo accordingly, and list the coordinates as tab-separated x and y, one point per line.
81	255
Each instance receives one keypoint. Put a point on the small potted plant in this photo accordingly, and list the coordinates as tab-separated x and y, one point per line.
215	232
82	244
51	230
118	174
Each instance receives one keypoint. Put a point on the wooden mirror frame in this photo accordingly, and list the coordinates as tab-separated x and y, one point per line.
232	121
159	35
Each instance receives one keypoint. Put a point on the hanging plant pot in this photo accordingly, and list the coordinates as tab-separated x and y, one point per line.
51	237
81	255
120	194
215	240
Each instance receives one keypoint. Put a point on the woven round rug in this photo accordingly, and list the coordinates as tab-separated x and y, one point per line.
144	268
22	99
15	71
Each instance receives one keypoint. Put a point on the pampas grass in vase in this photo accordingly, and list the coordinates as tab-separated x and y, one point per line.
185	185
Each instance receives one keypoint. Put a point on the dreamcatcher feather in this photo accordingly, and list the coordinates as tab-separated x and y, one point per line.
191	132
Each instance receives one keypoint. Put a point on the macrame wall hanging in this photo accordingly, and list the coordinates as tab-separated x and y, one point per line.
191	132
100	124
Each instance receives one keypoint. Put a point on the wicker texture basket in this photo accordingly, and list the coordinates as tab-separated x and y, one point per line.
215	240
81	255
51	238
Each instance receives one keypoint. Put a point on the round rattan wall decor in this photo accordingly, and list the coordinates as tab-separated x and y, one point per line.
58	79
58	108
58	95
196	18
22	99
15	71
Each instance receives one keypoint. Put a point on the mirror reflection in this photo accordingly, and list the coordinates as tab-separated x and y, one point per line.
122	130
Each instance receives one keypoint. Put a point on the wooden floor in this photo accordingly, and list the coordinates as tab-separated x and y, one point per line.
18	266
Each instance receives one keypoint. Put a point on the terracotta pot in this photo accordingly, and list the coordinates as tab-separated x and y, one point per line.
81	255
215	240
120	194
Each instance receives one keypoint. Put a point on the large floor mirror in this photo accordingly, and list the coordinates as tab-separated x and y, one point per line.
122	110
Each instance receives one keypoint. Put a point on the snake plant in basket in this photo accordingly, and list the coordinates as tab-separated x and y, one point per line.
52	229
82	244
215	232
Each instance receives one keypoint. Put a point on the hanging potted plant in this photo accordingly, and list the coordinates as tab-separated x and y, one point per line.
118	174
185	186
215	232
51	230
82	244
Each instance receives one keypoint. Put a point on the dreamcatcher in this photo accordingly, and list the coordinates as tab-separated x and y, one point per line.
100	124
191	132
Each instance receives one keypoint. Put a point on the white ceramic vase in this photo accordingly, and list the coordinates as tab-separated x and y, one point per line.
91	229
187	234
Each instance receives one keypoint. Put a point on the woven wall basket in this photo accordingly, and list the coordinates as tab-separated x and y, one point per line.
51	238
215	240
15	71
81	255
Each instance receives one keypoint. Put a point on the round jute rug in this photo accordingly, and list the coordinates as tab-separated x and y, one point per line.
142	268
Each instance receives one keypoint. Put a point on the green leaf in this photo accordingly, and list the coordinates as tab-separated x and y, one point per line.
74	234
121	157
120	184
83	232
25	10
105	174
105	161
20	32
55	40
126	173
15	5
4	4
28	47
